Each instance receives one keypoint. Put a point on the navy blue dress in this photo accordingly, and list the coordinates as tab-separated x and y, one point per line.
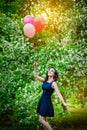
45	107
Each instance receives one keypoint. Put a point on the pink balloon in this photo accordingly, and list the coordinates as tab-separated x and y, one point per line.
28	19
29	30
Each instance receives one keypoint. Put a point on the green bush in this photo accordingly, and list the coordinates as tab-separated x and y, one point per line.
62	44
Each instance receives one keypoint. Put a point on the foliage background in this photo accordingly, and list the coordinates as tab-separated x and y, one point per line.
62	44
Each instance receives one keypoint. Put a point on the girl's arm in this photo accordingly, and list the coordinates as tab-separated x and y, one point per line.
36	75
58	93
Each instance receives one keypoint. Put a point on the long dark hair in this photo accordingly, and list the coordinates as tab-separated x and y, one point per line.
56	75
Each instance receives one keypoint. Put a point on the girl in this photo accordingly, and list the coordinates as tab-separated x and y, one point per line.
45	107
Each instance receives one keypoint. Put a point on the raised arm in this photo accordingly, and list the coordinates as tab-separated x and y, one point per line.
58	93
36	75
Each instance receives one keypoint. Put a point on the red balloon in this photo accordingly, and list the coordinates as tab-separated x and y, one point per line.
39	23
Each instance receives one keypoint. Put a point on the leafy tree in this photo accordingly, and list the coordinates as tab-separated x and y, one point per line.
61	44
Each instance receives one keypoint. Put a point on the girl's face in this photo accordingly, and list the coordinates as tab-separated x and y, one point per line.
51	72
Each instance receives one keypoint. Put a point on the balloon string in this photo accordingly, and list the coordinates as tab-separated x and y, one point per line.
34	52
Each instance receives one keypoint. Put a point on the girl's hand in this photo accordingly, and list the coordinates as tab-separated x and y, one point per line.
64	105
35	63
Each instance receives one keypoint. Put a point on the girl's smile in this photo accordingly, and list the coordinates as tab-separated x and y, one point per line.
51	72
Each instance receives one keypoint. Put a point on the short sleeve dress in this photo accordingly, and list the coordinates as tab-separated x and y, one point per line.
45	106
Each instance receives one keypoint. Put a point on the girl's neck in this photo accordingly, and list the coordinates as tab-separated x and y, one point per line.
50	79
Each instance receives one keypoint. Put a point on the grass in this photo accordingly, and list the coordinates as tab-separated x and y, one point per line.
74	119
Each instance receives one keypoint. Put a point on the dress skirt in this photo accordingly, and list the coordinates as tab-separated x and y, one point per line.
45	107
